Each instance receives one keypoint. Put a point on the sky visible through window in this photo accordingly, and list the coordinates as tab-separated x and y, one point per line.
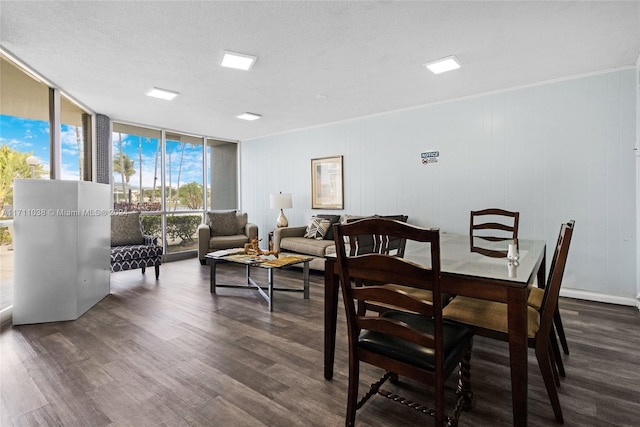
183	160
32	136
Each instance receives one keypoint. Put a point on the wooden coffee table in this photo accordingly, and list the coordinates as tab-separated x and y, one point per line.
268	262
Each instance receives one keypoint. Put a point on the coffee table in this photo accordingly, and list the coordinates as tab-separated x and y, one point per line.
269	262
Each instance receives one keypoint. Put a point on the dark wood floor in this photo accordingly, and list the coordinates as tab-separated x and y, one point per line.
169	353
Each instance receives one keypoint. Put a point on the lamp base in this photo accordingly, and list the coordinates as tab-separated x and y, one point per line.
282	220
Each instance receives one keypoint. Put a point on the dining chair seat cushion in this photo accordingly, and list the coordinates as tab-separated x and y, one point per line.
535	298
456	339
487	314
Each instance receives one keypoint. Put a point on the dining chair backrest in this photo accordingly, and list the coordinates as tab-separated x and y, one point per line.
494	224
375	267
556	273
375	243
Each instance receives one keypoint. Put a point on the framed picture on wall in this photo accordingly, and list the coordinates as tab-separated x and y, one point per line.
326	183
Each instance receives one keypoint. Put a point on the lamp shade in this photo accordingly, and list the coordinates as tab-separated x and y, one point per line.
281	201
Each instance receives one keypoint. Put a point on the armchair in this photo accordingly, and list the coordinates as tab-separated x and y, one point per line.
224	230
130	249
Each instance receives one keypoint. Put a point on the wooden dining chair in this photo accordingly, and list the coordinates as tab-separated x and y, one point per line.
498	224
495	248
413	341
494	224
490	318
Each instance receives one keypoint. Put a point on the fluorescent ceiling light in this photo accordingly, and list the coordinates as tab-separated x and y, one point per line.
445	64
162	93
248	116
239	61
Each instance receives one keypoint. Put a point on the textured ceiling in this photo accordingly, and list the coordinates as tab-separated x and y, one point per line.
362	57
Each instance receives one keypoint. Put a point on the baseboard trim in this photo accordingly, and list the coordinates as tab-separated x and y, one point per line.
598	297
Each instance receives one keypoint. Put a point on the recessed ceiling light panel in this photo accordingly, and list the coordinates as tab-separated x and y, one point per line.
239	61
444	64
248	116
162	93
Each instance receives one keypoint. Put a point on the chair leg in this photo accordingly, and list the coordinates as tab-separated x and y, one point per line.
553	340
143	269
393	378
352	394
439	415
554	366
544	362
464	382
157	271
557	320
464	395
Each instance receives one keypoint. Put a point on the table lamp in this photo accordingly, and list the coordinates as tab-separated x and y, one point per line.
281	201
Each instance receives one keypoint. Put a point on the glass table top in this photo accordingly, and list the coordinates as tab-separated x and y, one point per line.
461	255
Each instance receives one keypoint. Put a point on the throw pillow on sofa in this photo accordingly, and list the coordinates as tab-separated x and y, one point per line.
332	220
317	228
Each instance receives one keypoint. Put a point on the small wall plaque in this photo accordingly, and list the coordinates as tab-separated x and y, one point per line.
430	157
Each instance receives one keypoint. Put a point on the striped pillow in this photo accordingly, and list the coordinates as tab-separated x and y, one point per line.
317	228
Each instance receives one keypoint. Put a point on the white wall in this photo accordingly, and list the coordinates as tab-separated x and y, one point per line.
554	152
637	149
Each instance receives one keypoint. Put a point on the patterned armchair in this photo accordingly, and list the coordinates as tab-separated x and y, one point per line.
130	249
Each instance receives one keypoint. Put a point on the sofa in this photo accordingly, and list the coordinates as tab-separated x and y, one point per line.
130	248
316	238
224	230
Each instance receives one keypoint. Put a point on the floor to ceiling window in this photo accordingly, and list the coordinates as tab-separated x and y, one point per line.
172	181
137	164
24	125
75	141
28	148
137	169
24	134
184	190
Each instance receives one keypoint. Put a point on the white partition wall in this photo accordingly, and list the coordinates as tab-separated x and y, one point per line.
62	233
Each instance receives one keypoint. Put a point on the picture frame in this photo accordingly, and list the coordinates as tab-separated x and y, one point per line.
327	190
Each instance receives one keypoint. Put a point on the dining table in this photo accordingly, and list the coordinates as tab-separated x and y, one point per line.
477	268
